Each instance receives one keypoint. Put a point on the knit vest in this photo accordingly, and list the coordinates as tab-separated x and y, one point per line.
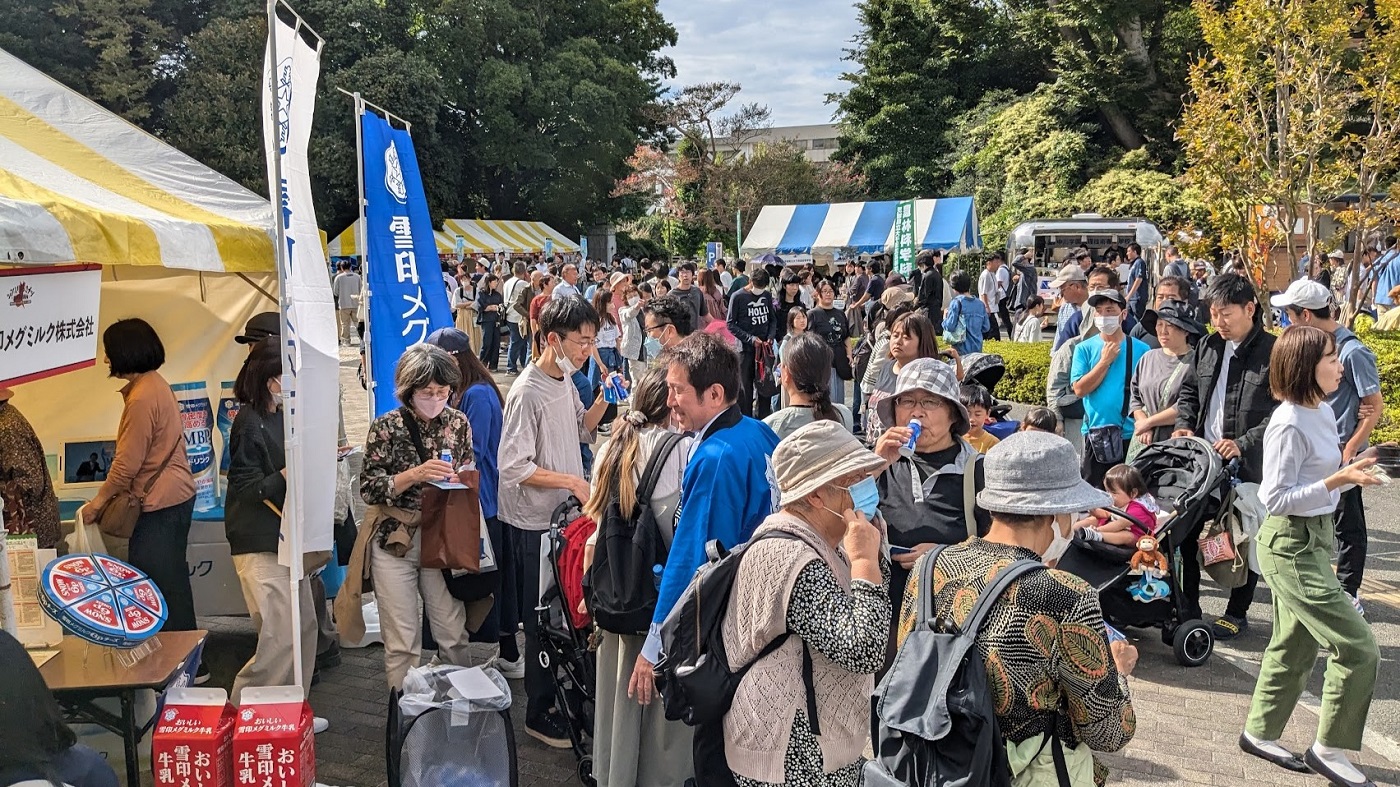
759	723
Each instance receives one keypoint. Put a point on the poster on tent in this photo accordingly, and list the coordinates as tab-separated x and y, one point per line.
407	299
905	246
311	352
48	321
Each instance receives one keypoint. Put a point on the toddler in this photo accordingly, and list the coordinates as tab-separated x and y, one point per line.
1129	491
1041	419
978	401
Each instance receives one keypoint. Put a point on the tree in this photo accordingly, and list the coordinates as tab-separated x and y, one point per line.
1271	100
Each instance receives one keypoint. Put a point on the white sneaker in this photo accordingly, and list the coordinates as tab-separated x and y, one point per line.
1356	603
319	725
512	670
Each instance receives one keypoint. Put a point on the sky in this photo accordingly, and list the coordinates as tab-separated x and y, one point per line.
785	53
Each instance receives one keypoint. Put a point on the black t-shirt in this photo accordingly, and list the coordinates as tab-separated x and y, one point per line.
832	325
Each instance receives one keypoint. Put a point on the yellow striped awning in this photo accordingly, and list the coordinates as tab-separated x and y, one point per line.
79	184
485	236
347	243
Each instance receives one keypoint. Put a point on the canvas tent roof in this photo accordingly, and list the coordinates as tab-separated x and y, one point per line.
485	236
861	227
79	184
346	244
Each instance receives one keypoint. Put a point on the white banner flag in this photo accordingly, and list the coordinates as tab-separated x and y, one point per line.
311	361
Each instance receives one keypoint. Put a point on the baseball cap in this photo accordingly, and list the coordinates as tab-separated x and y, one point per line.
1303	294
450	339
259	327
1069	273
1336	254
1107	295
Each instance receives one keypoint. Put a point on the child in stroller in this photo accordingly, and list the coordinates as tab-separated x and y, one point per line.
1129	492
1187	478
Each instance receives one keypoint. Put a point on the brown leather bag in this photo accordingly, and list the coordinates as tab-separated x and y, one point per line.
450	524
118	517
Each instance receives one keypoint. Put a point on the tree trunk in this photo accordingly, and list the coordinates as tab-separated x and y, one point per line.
1122	128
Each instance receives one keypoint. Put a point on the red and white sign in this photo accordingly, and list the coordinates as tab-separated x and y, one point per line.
48	321
273	743
192	745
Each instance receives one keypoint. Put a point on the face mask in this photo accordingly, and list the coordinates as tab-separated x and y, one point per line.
560	357
653	346
1107	324
865	497
429	408
1058	544
633	301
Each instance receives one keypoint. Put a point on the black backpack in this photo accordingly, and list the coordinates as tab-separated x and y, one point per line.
935	723
694	676
620	585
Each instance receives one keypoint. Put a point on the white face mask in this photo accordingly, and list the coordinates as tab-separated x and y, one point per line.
560	357
633	301
1107	324
1058	544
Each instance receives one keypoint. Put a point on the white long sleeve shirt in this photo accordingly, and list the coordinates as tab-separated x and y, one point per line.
1300	452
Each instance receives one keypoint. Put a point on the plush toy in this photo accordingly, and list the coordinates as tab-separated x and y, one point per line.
1150	588
1147	559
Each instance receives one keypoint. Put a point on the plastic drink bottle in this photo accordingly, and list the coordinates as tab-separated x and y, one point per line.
916	428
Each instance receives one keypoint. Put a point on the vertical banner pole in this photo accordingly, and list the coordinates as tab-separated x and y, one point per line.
361	233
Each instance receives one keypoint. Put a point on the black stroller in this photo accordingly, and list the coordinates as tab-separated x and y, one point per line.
1190	483
987	369
564	649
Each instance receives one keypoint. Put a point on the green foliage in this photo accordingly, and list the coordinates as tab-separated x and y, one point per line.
1027	368
1386	346
1142	192
520	108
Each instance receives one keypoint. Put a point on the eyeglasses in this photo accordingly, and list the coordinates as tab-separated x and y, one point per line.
581	342
648	330
922	404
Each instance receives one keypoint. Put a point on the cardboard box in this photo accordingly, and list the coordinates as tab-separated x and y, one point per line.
192	745
273	743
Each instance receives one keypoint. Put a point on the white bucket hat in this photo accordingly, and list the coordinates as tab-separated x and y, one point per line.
817	454
1035	474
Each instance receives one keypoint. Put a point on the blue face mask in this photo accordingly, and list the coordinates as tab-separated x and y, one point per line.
865	497
653	347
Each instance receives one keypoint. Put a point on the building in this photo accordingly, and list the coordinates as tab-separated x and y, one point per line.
818	142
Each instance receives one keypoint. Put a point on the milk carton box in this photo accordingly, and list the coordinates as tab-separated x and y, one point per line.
273	743
192	745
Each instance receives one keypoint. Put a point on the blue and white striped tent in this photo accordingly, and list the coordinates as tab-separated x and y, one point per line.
845	228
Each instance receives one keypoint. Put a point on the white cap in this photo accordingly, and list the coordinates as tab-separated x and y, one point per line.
1303	294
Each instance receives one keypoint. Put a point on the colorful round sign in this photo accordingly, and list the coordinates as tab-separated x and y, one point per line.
102	600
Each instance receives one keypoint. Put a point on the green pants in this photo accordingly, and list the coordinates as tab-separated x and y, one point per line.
1311	610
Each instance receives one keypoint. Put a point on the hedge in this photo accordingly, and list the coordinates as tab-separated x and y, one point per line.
1028	365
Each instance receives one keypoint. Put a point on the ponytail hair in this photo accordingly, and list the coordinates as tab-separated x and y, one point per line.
616	473
807	360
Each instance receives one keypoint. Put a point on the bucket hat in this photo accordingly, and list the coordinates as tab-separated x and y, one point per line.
817	454
1035	474
934	376
1178	314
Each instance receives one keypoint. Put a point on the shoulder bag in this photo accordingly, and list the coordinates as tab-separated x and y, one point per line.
450	519
1107	441
118	517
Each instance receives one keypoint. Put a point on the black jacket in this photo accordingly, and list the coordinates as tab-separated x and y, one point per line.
489	297
1248	401
929	291
256	458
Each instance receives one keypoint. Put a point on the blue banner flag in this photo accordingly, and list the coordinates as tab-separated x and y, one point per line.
407	292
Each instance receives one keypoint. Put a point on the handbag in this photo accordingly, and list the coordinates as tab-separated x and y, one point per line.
1232	571
450	518
1106	442
118	517
959	330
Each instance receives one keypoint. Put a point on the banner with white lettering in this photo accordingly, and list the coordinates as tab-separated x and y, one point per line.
48	321
311	354
407	295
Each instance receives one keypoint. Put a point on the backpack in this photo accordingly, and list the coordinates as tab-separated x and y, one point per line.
935	723
694	676
620	585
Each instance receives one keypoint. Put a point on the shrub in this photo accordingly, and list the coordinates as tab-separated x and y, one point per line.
1027	367
1386	346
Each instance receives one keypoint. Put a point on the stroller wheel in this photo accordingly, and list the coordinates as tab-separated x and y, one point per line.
585	771
1192	643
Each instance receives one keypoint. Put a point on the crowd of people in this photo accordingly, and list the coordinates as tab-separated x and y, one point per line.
831	413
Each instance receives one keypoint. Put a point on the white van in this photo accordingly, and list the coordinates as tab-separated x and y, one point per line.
1053	240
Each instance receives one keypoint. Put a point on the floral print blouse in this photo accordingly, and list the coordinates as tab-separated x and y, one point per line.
389	450
26	490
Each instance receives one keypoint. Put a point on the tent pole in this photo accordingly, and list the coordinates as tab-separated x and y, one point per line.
361	243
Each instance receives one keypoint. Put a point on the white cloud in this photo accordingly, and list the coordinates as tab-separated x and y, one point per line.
786	53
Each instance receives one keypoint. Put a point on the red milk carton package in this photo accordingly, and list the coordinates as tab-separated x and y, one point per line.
273	743
192	745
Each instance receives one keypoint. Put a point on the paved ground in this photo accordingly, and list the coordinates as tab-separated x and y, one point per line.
1188	719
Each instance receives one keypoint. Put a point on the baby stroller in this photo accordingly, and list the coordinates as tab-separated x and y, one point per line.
1189	481
564	647
987	369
